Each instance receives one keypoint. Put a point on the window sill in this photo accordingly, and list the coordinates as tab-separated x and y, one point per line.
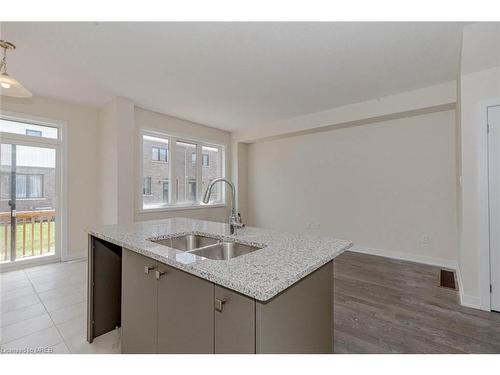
181	208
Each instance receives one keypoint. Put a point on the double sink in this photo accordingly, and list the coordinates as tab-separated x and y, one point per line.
207	247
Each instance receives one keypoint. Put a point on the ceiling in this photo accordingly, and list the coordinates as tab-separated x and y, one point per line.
231	75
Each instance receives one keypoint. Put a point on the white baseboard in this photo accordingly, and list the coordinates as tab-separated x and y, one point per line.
74	256
470	301
465	299
40	261
29	262
438	262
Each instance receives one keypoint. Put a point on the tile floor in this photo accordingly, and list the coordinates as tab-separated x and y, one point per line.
43	309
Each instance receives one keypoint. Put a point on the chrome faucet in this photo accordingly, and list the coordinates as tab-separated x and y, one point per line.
234	219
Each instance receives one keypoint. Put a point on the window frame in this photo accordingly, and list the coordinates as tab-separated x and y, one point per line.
172	142
28	120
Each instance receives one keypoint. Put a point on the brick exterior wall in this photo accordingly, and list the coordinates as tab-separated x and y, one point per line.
31	204
158	171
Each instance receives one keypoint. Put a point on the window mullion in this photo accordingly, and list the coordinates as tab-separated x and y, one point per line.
172	191
222	163
199	195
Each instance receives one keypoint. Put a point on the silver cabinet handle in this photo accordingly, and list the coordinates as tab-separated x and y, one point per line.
159	274
219	303
147	269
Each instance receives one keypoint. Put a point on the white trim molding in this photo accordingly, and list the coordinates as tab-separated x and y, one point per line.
438	262
80	255
466	299
29	262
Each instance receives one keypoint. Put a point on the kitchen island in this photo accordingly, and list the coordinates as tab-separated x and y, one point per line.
186	286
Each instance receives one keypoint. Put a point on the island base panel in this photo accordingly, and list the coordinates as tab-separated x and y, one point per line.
104	288
300	319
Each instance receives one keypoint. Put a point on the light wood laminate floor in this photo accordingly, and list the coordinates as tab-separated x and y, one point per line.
383	305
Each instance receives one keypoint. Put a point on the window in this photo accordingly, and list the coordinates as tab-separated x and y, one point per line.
155	169
183	180
205	160
165	191
28	186
17	127
34	133
185	172
159	154
146	186
34	187
212	168
5	185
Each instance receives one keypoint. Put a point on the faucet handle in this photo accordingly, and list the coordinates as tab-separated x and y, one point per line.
236	221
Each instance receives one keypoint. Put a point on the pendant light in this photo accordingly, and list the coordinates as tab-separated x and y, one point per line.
9	86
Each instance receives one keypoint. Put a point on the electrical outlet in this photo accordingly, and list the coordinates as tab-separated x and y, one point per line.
424	240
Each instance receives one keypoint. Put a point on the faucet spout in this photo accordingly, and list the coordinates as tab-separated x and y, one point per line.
234	219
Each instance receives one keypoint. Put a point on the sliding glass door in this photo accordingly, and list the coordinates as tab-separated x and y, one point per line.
29	193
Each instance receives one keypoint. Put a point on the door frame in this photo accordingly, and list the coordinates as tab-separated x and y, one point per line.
485	284
60	145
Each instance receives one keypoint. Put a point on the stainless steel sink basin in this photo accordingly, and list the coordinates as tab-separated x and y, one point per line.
187	242
225	250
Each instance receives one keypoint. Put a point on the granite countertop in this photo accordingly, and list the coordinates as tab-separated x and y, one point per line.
285	258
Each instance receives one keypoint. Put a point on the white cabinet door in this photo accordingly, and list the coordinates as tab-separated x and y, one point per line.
494	195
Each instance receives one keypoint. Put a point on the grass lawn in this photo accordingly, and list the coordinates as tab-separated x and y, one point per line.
30	249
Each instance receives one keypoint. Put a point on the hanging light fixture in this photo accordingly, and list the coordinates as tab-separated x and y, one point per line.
9	86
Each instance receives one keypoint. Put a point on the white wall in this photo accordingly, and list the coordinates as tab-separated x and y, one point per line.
479	87
242	177
480	47
82	162
117	132
477	91
382	185
239	163
108	170
149	120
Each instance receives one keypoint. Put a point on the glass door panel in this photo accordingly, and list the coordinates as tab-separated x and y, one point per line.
28	201
5	201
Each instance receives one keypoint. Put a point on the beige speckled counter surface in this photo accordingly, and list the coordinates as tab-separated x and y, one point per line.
285	259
